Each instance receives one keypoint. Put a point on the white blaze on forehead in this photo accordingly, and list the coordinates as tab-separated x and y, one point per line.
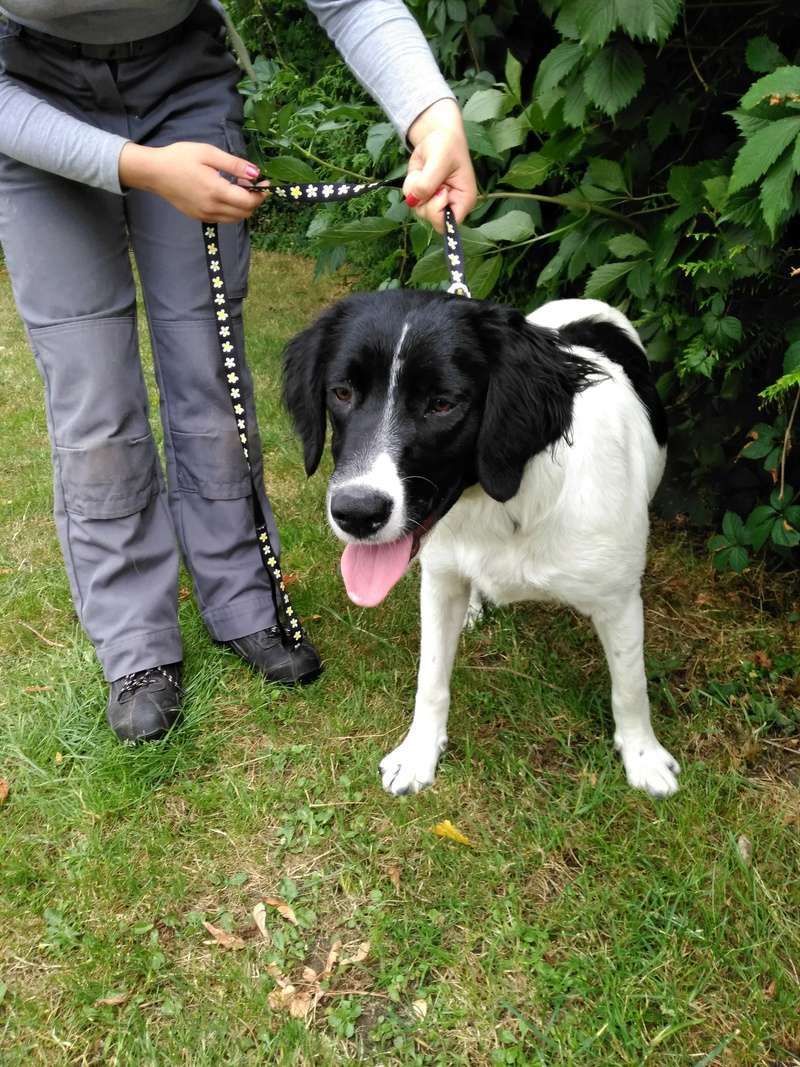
376	466
394	370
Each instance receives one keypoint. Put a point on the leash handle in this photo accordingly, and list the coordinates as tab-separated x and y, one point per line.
337	192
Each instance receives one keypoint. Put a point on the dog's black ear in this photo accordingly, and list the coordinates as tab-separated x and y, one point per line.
304	362
532	382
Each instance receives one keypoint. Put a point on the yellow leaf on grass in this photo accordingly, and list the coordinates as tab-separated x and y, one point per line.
4	789
284	909
223	938
446	829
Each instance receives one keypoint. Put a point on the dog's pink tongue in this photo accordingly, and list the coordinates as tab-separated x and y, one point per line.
370	571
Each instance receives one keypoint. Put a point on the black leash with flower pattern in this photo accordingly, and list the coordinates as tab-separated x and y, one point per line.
308	193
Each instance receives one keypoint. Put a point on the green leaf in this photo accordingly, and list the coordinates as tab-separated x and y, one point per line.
556	65
791	358
659	125
607	173
759	524
483	278
370	228
480	140
734	529
420	238
603	278
486	104
647	20
514	226
783	534
289	169
595	20
513	74
614	77
378	137
508	133
717	191
762	55
575	104
526	172
761	150
457	11
640	279
776	192
430	269
628	244
783	82
738	559
746	123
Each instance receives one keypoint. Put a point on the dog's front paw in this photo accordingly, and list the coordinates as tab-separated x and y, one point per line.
649	766
412	765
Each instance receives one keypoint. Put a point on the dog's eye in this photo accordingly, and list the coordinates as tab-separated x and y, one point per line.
343	393
439	405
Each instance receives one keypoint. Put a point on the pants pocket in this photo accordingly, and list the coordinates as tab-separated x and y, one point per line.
108	480
212	464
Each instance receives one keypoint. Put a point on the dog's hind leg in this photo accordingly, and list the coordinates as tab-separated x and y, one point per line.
648	766
474	612
443	604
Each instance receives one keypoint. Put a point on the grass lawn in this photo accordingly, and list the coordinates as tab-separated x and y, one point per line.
588	924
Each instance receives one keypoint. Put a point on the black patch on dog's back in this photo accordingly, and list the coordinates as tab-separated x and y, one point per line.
614	343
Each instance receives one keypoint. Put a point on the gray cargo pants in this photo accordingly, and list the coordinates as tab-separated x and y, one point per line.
67	251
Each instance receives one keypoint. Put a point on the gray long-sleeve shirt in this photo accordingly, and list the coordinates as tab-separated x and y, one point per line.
379	40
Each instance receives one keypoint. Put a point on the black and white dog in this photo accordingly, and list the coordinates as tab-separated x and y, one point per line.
518	454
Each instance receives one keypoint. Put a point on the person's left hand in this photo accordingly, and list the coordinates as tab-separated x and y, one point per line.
440	170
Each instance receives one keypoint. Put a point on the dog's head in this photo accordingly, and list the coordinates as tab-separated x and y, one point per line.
427	394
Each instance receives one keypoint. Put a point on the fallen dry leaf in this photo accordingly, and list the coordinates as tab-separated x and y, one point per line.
330	962
446	829
184	593
769	992
761	659
260	919
419	1009
359	956
745	848
37	689
223	938
112	1000
290	578
58	759
393	873
4	790
284	909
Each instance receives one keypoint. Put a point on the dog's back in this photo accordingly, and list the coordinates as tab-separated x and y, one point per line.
577	529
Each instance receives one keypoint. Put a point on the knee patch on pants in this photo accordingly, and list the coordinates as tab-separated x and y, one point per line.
212	464
110	479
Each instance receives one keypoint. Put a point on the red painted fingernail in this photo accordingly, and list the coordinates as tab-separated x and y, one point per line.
412	200
251	171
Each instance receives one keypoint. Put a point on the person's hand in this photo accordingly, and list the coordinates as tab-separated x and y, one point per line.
187	174
440	170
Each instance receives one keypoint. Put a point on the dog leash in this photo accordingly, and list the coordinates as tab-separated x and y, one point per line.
308	193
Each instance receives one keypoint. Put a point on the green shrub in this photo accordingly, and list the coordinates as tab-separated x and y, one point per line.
637	151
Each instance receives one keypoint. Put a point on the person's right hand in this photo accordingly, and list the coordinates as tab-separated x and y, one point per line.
187	175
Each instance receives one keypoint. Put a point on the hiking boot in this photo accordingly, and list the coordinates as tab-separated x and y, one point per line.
143	706
268	653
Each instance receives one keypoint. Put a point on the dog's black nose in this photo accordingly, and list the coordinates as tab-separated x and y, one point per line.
360	511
